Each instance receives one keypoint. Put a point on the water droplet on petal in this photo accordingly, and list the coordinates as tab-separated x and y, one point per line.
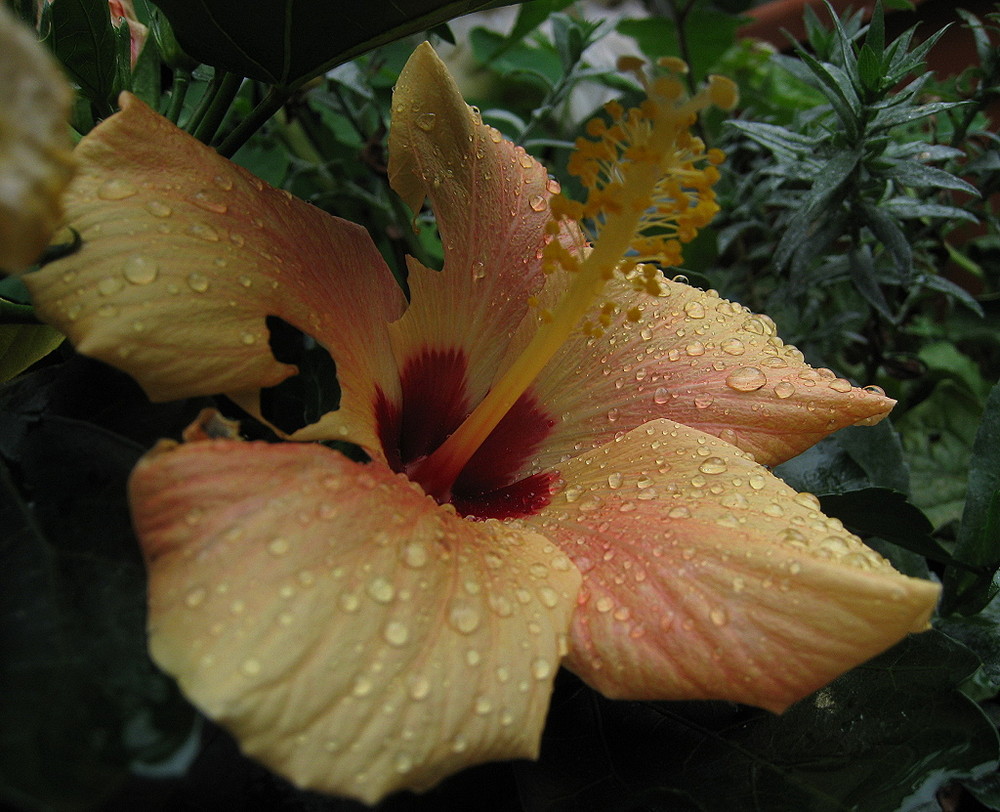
278	546
604	604
380	590
732	346
427	121
679	512
695	348
713	465
349	602
718	616
139	270
396	633
756	481
841	385
250	667
110	285
784	389
158	208
746	379
195	597
694	310
420	688
661	395
614	480
541	668
206	200
203	231
116	189
537	203
198	282
362	687
478	269
875	390
464	618
704	400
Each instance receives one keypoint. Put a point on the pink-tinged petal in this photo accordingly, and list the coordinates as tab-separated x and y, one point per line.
706	577
184	256
702	361
35	158
490	199
353	635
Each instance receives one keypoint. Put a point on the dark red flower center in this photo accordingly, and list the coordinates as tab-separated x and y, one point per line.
434	401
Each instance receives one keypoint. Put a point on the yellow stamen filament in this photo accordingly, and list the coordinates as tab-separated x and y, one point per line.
649	183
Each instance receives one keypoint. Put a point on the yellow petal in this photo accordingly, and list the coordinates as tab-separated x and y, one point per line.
185	255
353	635
702	361
706	577
491	202
35	160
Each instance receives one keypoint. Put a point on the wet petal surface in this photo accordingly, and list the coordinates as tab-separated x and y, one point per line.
35	160
185	255
353	635
702	361
706	577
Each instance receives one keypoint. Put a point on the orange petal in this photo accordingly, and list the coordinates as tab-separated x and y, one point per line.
185	254
706	577
354	636
702	361
490	199
35	159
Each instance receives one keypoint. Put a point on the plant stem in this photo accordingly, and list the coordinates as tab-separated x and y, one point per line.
218	107
265	108
182	81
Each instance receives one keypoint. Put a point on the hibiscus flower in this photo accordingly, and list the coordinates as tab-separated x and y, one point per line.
363	627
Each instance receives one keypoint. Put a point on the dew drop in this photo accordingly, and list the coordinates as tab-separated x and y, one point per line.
548	596
278	546
478	270
380	590
784	389
718	616
604	604
464	618
349	602
841	385
694	310
746	379
482	705
116	189
615	480
695	348
420	688
195	597
427	121
704	400
362	687
110	285
679	512
537	203
541	669
248	338
203	231
139	271
713	465
250	667
732	346
207	201
875	390
198	282
396	633
661	395
757	481
158	208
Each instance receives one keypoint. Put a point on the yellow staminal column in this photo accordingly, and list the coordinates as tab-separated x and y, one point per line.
645	170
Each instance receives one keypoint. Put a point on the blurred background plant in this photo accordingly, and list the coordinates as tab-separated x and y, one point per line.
859	210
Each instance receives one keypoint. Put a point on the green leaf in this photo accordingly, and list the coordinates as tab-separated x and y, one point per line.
908	207
21	345
78	683
883	735
980	528
903	114
921	176
888	515
937	439
784	143
287	43
879	451
84	40
956	292
708	34
885	227
837	87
